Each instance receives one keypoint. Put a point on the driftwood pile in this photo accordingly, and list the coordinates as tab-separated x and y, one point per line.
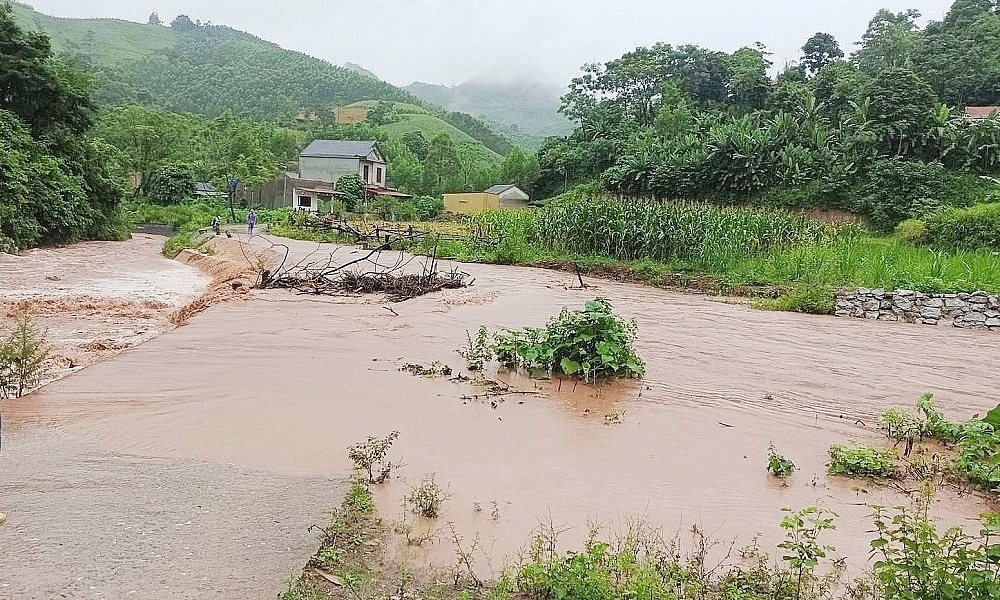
365	276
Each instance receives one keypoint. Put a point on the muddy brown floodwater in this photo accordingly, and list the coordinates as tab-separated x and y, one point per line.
164	447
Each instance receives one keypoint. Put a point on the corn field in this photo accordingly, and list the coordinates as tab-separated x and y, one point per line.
635	230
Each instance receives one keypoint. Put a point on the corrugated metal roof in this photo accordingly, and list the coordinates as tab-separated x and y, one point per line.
338	149
981	112
499	189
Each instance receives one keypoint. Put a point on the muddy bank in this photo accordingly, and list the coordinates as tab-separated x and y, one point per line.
284	383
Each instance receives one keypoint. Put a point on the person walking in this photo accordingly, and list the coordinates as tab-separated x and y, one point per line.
217	224
251	221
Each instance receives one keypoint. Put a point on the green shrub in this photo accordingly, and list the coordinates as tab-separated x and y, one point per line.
170	184
811	298
428	207
862	461
22	359
896	189
916	561
778	465
913	231
390	209
589	344
425	500
965	228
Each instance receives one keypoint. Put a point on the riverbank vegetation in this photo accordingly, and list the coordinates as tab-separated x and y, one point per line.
58	183
362	555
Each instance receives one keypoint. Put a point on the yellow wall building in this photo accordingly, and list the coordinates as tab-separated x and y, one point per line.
471	202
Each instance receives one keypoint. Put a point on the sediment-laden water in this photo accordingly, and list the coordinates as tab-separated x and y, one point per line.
250	408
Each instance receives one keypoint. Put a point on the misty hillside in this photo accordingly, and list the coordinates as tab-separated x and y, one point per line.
204	69
524	106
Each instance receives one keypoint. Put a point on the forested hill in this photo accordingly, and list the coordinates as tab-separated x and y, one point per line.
204	69
526	106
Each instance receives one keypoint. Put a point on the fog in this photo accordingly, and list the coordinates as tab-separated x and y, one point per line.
448	42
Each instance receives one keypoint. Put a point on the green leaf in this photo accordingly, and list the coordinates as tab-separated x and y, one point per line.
568	366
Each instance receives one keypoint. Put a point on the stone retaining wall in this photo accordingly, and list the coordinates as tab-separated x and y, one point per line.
976	310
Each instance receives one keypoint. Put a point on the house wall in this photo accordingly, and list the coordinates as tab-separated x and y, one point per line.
469	203
327	169
513	203
313	204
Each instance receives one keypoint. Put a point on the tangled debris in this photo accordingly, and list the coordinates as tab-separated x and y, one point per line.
324	277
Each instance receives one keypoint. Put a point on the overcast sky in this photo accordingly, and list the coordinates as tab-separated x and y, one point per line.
449	41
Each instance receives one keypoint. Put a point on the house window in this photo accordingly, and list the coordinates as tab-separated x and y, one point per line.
305	201
378	174
366	175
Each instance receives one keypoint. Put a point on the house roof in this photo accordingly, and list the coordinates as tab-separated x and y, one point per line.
499	189
339	149
981	112
205	187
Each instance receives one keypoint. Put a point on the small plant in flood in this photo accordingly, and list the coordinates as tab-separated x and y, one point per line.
802	529
862	461
589	344
425	499
915	560
477	352
778	465
22	359
371	457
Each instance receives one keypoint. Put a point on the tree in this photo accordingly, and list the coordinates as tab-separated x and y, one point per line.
183	23
352	185
819	51
32	85
902	109
416	143
520	169
442	163
748	81
383	113
170	184
154	19
888	42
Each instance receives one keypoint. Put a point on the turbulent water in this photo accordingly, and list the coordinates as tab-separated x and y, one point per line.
191	466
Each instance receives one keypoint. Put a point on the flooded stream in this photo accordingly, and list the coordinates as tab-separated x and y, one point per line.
262	398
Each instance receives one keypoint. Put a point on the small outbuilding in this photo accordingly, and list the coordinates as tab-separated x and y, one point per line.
511	196
495	198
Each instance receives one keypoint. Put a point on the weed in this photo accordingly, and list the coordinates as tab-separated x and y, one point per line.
778	465
22	358
477	352
589	344
370	457
435	369
425	499
915	560
802	528
862	461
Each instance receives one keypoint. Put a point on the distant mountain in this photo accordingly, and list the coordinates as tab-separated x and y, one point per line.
205	69
361	70
522	106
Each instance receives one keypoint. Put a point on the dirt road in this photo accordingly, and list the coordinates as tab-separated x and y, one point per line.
267	395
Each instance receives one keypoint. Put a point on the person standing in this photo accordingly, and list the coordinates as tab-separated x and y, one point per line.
251	221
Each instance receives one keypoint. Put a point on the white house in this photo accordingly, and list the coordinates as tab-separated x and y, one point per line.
329	160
